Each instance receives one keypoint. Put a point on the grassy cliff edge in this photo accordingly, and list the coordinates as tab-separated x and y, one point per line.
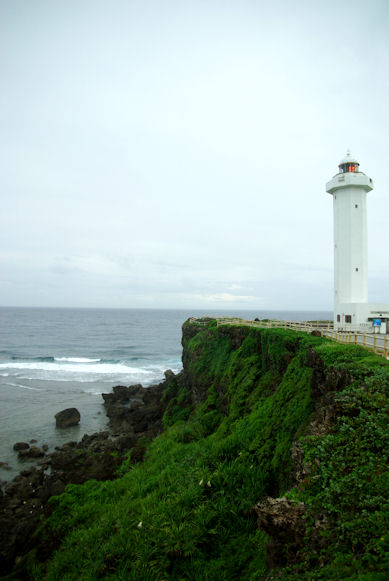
272	464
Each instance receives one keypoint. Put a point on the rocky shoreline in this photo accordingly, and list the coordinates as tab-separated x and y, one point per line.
135	417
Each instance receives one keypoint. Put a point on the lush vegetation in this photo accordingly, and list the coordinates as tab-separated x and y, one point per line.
185	512
346	485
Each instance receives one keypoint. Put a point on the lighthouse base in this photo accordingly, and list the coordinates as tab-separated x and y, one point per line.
362	317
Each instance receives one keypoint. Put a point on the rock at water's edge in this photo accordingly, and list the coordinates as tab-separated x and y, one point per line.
33	452
67	418
21	446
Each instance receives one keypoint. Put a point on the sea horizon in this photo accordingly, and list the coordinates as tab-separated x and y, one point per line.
197	309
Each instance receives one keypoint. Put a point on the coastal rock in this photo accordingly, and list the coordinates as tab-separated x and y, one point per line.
324	380
67	418
25	499
125	442
5	466
33	452
36	452
21	446
280	515
138	410
169	374
122	393
282	520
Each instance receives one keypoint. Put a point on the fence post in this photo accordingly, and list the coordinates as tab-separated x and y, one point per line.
386	347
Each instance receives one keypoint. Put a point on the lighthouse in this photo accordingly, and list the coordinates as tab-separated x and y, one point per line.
352	312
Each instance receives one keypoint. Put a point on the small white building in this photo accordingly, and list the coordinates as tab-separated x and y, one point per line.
352	311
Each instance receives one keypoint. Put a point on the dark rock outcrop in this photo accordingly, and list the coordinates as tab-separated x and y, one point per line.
67	418
324	381
25	499
33	452
20	446
136	410
282	520
316	333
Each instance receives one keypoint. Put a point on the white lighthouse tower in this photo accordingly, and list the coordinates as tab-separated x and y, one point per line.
352	311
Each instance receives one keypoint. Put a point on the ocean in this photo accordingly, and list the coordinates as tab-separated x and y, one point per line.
52	359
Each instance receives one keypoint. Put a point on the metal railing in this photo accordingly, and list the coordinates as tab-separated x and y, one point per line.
305	326
376	342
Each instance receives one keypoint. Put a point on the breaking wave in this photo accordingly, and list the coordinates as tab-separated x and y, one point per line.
76	359
70	367
85	369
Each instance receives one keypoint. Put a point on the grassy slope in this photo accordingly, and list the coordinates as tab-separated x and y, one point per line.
185	512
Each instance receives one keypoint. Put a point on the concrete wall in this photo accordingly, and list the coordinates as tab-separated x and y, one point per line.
362	315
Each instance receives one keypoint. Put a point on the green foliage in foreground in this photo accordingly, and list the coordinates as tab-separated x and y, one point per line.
346	487
185	512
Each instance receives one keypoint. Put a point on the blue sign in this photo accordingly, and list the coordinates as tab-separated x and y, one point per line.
377	322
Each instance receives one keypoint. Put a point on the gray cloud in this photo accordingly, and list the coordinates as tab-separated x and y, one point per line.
175	154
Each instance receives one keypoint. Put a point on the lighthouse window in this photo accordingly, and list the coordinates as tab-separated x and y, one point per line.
356	269
356	205
348	167
347	318
338	318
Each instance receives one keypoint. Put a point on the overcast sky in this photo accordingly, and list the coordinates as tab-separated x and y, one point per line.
175	153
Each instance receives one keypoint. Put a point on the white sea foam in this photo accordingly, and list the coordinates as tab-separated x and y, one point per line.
84	370
76	359
99	368
94	391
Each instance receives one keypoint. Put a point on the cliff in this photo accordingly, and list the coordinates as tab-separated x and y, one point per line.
272	463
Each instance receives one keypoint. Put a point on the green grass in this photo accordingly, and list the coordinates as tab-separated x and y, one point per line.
185	512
